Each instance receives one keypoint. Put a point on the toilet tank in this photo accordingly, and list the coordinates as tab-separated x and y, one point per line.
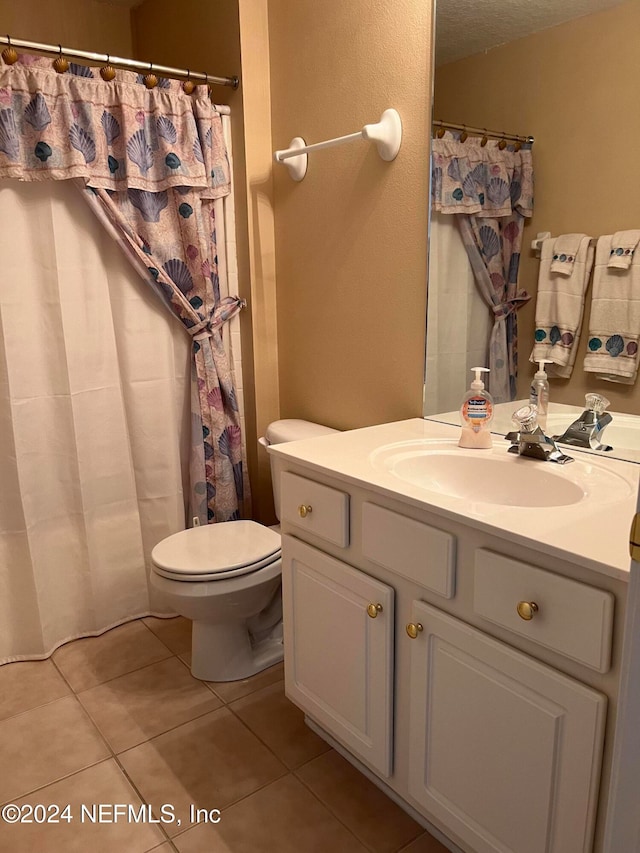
289	429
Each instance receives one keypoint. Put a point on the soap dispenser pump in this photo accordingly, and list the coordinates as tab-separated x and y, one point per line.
539	392
476	413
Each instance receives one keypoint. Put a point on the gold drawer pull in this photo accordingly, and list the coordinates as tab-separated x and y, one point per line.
413	629
374	609
304	510
527	610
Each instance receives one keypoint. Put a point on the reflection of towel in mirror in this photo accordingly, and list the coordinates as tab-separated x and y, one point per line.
565	251
560	306
614	325
623	245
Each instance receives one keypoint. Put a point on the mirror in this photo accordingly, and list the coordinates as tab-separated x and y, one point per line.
565	72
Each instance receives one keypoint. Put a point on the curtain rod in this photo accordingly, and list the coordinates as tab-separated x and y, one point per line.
116	61
482	131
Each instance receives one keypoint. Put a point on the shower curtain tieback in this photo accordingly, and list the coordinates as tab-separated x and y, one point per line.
491	192
151	164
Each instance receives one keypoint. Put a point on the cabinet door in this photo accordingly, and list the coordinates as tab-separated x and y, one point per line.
505	751
338	657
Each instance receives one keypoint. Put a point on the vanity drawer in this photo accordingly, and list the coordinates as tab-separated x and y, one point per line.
571	618
409	548
315	508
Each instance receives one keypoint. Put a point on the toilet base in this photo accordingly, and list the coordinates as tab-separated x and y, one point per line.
224	652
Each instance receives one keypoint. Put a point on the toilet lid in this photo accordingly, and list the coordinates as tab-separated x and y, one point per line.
216	550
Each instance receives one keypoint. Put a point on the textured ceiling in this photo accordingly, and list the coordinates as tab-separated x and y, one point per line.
465	27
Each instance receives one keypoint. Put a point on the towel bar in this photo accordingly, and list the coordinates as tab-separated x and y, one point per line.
536	245
386	133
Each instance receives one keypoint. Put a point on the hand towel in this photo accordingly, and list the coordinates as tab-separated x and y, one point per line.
623	245
565	249
559	308
614	325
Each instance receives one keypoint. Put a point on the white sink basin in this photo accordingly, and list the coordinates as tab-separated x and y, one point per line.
497	477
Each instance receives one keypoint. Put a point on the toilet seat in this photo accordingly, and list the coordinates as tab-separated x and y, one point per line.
216	551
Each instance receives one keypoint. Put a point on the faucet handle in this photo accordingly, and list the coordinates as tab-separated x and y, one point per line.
526	417
596	403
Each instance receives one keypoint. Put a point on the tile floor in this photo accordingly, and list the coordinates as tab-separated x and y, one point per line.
118	719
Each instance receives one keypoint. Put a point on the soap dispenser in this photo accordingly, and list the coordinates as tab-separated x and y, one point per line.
476	413
539	392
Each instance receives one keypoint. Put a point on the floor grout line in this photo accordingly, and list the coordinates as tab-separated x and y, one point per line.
127	672
61	674
36	707
59	779
330	810
157	636
141	797
239	800
124	674
167	731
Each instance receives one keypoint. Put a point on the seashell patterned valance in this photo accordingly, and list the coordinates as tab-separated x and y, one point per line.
482	181
114	135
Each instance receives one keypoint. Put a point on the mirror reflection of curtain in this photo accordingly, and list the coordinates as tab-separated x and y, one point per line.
489	187
91	477
458	320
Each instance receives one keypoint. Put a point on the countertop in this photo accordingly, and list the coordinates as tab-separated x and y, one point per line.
593	533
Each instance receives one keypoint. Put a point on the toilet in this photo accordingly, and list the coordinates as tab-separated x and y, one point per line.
226	578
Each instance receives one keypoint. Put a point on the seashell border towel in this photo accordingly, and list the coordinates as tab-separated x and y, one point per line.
614	325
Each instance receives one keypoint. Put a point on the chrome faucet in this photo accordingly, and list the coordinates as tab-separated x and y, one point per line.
587	430
531	441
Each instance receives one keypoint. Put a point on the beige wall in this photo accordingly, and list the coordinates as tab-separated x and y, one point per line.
573	88
351	238
88	25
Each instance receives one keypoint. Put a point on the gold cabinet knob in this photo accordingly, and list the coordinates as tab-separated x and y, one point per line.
413	629
374	609
304	510
527	610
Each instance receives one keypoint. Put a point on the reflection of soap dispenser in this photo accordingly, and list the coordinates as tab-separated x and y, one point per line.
476	414
539	392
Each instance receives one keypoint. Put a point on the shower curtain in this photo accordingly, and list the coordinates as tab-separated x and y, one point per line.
98	430
91	477
458	319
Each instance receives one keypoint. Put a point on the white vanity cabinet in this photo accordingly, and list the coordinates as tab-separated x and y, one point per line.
339	626
397	650
505	751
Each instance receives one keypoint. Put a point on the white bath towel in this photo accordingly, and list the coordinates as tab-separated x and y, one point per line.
560	306
623	245
565	250
614	324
